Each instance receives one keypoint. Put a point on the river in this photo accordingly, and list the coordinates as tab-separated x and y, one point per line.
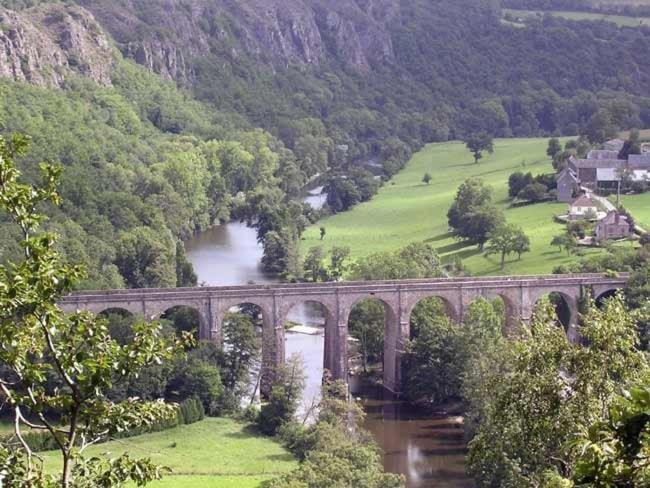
428	449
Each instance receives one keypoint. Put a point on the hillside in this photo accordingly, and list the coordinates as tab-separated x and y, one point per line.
407	210
419	70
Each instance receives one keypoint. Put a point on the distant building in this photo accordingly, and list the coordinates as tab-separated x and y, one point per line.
614	145
613	226
587	170
602	169
582	207
602	154
568	186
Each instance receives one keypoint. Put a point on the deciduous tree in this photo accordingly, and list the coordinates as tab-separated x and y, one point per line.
63	363
507	239
478	143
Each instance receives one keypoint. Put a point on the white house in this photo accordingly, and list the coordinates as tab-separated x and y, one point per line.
582	207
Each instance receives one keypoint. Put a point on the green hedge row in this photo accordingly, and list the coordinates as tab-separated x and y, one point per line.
189	411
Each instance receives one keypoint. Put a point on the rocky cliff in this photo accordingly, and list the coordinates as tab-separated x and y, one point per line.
42	45
169	35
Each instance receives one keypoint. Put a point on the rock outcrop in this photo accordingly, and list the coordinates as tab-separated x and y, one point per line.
168	36
42	45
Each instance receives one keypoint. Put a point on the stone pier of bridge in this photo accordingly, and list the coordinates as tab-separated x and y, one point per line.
519	295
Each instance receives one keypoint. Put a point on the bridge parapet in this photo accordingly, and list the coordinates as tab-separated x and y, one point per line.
519	294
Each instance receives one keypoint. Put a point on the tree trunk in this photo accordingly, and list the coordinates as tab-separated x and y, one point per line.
67	470
503	260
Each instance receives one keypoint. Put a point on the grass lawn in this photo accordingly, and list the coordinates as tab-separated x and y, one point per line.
639	207
215	453
620	20
6	427
406	210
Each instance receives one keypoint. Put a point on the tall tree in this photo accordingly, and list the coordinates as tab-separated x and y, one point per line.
507	239
338	265
472	193
471	215
63	363
313	265
478	143
242	352
554	147
632	145
544	389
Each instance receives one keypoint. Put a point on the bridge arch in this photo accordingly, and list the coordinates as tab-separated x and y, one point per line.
273	352
123	312
446	304
605	294
566	309
435	304
386	346
313	325
186	318
512	314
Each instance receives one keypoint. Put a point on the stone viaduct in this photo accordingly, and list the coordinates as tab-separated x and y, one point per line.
519	294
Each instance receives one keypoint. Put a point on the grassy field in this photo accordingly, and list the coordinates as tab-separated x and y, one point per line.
406	210
215	453
639	207
621	20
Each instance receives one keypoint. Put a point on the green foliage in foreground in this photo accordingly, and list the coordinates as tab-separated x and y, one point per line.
616	451
545	390
62	365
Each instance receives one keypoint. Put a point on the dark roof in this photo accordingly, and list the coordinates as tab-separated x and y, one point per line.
584	201
602	154
566	172
610	218
639	161
598	163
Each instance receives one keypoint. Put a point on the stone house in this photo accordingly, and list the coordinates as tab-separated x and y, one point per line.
613	226
600	170
592	172
582	207
602	154
614	145
568	186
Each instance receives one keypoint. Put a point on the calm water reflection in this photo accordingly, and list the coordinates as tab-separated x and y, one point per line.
428	450
227	255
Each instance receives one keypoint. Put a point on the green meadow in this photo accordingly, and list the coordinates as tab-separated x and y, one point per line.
620	20
639	207
215	453
406	210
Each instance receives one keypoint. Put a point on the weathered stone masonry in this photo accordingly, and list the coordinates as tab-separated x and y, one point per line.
519	293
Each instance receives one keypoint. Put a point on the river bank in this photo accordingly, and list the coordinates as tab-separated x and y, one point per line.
428	449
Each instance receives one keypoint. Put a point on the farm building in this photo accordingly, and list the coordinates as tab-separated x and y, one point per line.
582	207
568	186
591	172
613	226
614	145
600	171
